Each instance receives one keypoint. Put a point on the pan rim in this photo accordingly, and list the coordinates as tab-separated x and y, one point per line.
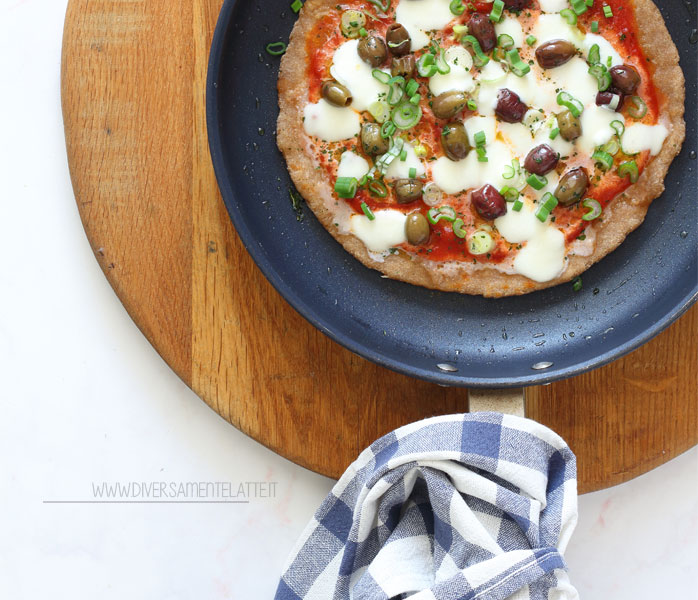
309	314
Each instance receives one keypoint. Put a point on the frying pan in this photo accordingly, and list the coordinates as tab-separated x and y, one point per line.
448	338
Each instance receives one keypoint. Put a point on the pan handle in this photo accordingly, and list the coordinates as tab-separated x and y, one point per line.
510	401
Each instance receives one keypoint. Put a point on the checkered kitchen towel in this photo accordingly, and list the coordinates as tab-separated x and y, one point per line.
475	506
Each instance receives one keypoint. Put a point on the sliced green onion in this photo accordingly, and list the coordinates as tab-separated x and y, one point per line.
447	213
459	31
384	161
518	205
602	76
403	155
594	55
569	101
381	5
480	59
377	188
569	16
607	11
441	65
276	48
480	242
480	138
548	203
554	133
396	91
576	284
368	212
457	7
481	154
387	129
629	169
517	66
381	76
603	159
296	6
379	110
458	228
537	182
406	115
471	104
505	41
496	13
421	150
611	146
638	108
416	99
346	187
594	27
426	65
579	7
411	88
594	209
412	173
618	127
363	32
511	194
589	3
531	39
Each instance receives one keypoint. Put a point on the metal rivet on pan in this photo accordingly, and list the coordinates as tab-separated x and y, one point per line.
544	364
449	368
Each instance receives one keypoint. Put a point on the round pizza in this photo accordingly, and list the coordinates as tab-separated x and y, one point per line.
490	148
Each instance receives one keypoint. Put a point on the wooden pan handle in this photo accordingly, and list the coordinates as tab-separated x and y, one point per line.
510	401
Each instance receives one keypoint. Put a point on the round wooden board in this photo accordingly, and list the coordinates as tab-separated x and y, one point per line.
133	85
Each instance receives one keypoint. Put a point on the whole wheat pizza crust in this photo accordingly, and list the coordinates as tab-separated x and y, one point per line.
628	210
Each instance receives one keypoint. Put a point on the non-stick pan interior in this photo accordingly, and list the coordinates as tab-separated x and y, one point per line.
449	338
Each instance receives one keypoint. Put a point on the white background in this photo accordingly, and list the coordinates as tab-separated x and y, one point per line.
85	398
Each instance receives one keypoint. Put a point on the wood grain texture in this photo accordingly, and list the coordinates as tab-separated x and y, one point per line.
133	82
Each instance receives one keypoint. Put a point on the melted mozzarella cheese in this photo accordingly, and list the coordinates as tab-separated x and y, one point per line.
553	6
459	79
511	27
543	256
573	77
420	16
641	137
491	73
554	27
400	169
455	176
605	49
384	232
352	165
486	124
349	70
596	127
330	123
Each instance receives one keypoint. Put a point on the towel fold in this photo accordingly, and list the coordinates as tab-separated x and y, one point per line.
474	506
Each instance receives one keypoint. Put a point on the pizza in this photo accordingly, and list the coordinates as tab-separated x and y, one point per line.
491	148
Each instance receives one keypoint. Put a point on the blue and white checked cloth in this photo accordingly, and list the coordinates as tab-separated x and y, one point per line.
475	506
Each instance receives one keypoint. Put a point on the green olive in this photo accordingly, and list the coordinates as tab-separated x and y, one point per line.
454	141
572	186
335	93
448	104
403	66
372	141
416	228
569	125
408	190
352	21
372	50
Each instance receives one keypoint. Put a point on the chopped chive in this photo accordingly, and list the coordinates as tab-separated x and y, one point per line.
579	7
363	32
416	99
517	66
589	3
594	26
531	39
603	159
367	211
554	133
411	88
481	154
296	6
594	55
345	187
518	205
496	13
276	48
568	16
472	105
607	11
480	138
413	173
403	155
576	284
537	182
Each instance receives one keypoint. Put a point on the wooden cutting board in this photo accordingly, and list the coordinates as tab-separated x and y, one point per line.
133	79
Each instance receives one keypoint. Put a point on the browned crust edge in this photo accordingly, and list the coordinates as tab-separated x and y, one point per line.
628	210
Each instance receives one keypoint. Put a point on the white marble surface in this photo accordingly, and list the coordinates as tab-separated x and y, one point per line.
86	399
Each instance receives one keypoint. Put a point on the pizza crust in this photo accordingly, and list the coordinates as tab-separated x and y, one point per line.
628	210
